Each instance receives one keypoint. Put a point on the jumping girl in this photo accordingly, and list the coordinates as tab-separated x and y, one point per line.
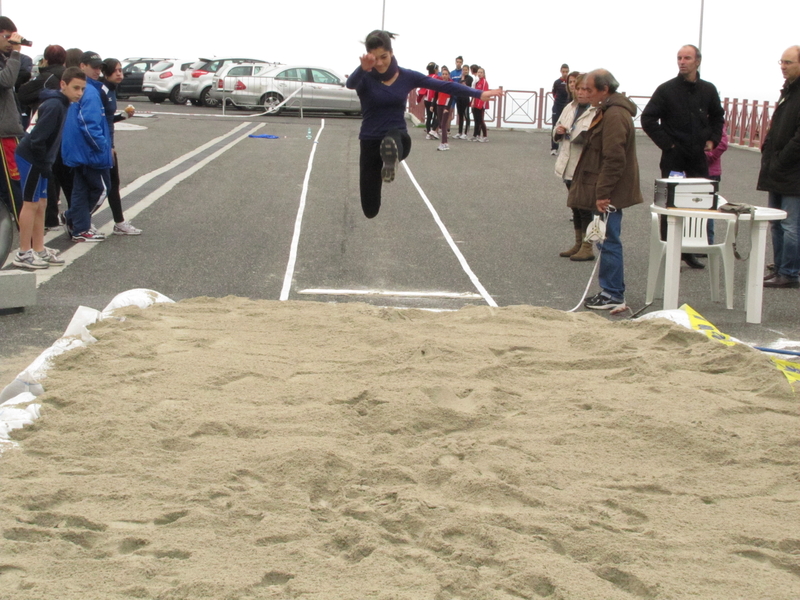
383	88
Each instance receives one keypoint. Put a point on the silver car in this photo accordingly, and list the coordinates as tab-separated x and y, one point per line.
196	84
322	89
164	80
229	78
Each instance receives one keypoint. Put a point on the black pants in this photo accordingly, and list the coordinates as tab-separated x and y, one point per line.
114	199
431	122
61	180
480	127
371	163
462	106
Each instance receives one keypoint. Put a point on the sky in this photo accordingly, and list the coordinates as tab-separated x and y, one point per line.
520	43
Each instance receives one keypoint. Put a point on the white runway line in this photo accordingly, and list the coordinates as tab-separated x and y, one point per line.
287	279
396	294
82	248
464	265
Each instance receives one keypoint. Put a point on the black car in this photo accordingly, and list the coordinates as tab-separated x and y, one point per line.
133	69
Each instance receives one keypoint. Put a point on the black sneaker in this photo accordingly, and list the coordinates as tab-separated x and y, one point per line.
389	157
602	301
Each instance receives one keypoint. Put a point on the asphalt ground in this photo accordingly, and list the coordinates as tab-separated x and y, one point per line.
223	220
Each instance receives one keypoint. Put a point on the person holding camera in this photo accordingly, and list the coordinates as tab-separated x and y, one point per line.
569	134
10	121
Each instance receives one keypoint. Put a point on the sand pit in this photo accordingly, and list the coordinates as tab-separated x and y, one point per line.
232	449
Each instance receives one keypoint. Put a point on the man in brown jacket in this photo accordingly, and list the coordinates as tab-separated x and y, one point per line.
607	179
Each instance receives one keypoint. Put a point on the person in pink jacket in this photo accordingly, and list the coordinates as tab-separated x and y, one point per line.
714	158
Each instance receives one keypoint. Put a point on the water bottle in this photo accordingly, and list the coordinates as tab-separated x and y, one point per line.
308	135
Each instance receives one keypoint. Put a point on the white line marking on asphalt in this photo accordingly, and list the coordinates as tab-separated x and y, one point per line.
331	292
464	265
82	248
287	279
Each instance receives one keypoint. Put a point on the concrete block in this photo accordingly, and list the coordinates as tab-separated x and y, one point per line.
17	289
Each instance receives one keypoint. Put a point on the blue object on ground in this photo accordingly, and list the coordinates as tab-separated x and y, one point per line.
265	135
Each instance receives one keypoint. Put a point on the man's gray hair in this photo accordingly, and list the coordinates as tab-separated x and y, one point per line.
603	79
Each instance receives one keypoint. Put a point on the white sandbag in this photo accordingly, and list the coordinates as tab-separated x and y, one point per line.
676	316
138	297
23	398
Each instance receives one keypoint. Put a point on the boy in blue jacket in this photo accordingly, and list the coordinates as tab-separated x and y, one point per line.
35	156
86	147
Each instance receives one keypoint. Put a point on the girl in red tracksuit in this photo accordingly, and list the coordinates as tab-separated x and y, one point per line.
443	110
431	123
479	108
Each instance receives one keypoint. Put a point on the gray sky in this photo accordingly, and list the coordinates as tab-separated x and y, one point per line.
520	43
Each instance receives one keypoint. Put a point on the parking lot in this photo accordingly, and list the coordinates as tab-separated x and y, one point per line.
480	224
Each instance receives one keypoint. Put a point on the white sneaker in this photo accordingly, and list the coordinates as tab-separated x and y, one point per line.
443	147
97	234
435	135
28	260
473	139
125	228
483	139
51	257
428	136
553	152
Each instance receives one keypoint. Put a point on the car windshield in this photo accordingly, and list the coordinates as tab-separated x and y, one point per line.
162	66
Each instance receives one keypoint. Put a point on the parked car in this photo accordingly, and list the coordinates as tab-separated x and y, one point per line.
196	83
323	89
164	80
133	70
232	75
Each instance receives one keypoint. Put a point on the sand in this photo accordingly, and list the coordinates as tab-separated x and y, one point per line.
236	449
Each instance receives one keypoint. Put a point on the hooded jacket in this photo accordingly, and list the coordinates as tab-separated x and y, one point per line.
10	121
87	140
780	153
608	167
40	146
49	77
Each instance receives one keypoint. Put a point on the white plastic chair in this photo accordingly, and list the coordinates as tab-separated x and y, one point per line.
694	241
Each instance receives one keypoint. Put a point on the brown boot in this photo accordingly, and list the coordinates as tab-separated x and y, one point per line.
585	253
576	247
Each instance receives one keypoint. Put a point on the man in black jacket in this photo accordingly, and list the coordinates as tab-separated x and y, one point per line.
685	118
780	175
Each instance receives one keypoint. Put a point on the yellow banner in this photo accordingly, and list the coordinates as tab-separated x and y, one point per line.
790	369
698	323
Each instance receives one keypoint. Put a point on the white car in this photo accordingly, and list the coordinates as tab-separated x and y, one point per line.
196	84
164	80
323	89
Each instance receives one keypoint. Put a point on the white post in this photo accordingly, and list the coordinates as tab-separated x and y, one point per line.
702	10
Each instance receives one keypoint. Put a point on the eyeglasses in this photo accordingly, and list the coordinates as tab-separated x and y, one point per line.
786	62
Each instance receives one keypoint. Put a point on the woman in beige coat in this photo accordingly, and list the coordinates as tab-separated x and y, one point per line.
570	133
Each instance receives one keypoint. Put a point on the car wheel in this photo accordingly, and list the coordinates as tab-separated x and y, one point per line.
175	96
271	100
207	100
156	97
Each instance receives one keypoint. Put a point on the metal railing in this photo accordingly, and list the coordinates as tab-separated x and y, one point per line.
747	121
